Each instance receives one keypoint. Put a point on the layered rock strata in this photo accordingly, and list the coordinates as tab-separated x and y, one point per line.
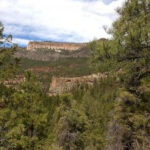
62	85
55	46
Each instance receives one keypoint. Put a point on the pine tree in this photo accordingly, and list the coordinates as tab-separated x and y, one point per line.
131	33
23	116
132	30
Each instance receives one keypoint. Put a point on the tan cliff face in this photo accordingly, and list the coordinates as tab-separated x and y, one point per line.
55	46
62	85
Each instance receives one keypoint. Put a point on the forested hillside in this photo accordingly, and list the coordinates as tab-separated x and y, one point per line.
113	114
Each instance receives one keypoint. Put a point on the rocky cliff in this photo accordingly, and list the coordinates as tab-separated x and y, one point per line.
55	46
62	85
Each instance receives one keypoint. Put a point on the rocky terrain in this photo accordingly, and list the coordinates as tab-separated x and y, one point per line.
55	46
61	84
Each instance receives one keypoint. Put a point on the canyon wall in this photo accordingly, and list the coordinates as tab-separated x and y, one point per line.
55	46
61	85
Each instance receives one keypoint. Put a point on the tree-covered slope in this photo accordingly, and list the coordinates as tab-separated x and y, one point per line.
114	114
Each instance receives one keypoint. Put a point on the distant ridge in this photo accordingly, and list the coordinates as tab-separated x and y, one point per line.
55	45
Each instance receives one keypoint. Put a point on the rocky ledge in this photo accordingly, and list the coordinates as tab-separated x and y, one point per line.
62	85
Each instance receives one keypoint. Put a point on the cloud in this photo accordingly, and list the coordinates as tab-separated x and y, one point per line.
58	20
22	42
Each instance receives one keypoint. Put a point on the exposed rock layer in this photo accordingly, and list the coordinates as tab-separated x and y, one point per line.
55	46
62	85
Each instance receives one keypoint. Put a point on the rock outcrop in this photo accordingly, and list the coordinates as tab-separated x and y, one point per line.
14	82
62	85
55	46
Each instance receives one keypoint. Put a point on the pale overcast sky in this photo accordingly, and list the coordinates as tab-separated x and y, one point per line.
57	20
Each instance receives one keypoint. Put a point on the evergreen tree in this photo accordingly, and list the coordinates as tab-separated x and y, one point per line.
131	44
103	55
23	115
131	31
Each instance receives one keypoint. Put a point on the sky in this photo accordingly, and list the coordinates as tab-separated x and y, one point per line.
57	20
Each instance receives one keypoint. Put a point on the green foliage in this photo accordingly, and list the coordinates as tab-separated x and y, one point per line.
8	64
113	114
71	124
77	66
131	44
103	55
23	111
63	67
81	118
131	115
23	117
131	30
